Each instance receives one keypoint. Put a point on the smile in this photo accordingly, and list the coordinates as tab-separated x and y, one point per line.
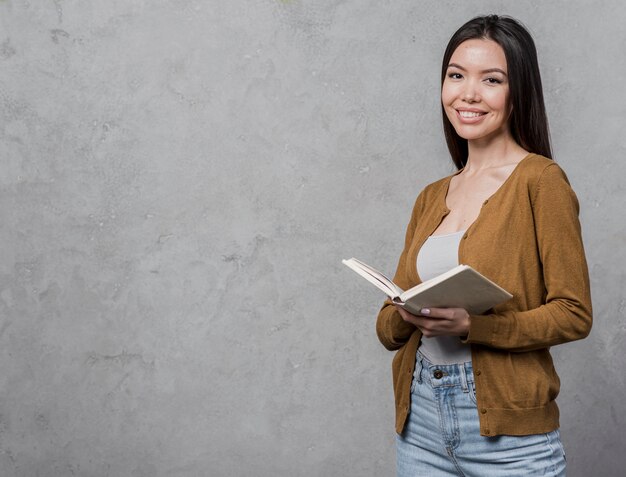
470	114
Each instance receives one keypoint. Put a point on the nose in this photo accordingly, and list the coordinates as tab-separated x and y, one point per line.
470	93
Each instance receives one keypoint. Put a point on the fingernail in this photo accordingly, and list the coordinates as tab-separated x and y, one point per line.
425	311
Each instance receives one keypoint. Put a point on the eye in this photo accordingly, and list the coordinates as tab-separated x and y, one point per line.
492	80
455	75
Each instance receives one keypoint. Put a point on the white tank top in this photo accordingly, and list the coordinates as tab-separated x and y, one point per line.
439	254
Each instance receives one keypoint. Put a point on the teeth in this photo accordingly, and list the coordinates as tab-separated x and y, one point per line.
469	114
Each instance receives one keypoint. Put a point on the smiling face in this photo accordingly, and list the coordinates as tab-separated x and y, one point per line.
475	91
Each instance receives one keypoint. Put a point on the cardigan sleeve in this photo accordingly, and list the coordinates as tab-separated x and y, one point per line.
393	332
566	313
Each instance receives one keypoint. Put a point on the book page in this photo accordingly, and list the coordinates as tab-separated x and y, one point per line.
374	277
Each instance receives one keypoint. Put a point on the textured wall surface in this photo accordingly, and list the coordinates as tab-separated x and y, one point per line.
179	181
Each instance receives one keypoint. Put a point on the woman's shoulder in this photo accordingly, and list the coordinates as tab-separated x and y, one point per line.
536	165
439	185
540	177
536	170
434	190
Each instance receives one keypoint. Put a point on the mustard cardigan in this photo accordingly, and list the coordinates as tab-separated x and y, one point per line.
527	239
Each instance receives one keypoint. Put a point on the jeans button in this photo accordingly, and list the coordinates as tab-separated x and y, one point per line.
438	374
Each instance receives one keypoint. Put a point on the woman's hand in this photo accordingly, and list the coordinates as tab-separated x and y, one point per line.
439	321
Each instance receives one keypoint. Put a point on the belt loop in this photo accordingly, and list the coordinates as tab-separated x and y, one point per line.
463	378
418	368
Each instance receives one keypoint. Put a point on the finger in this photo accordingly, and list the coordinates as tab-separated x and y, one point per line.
445	313
408	317
403	312
436	313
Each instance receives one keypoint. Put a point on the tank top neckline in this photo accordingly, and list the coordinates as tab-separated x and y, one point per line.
459	232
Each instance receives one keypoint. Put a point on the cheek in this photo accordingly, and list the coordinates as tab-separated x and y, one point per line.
447	94
446	101
499	101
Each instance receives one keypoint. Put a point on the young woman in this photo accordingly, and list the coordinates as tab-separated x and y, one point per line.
475	395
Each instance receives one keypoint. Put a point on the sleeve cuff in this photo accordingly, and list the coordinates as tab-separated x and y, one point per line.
482	329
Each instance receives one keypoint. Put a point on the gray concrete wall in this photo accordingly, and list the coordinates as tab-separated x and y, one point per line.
179	181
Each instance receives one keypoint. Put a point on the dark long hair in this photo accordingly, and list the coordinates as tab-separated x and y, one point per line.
528	122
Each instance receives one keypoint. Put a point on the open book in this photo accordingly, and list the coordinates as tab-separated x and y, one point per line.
461	287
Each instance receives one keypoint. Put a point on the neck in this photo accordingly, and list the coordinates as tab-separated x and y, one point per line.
483	154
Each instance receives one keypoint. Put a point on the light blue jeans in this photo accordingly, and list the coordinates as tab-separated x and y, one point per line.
442	437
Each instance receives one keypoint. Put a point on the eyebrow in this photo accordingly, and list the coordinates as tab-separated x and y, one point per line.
489	70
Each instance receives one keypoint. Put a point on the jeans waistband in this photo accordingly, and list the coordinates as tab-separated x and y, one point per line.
443	375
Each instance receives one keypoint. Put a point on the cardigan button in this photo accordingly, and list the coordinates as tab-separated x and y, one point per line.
484	411
464	236
478	372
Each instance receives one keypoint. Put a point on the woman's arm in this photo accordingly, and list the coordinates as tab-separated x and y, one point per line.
566	314
393	332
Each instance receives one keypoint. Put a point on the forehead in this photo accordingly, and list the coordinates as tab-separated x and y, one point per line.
479	53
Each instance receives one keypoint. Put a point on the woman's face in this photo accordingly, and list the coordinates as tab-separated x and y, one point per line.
475	92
